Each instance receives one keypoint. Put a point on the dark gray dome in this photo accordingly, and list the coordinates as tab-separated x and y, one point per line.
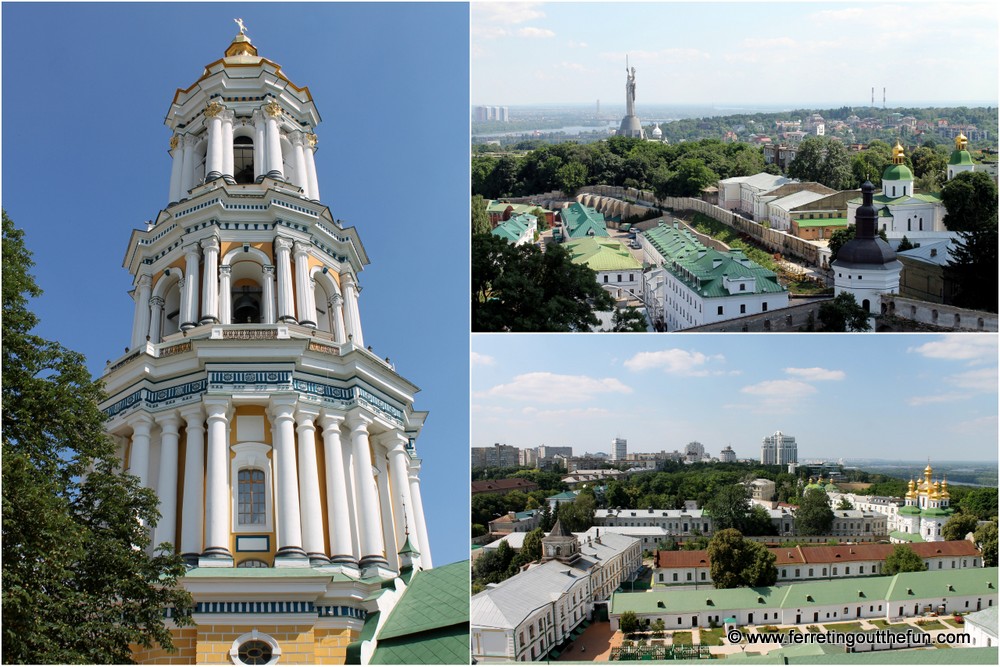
865	252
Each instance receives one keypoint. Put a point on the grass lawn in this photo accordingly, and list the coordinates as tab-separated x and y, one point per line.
896	627
853	626
712	636
682	638
932	625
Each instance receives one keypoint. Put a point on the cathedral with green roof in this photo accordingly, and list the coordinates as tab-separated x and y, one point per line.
926	510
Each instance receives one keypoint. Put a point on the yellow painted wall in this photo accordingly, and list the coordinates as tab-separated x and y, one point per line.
210	644
185	640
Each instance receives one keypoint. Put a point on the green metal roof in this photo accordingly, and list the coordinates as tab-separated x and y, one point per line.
923	585
961	158
823	222
897	172
581	221
942	583
906	537
430	623
511	230
602	254
705	270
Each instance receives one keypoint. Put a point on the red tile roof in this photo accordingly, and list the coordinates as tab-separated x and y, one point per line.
503	485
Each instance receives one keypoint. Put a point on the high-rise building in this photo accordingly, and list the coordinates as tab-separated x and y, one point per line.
694	451
727	455
497	456
619	449
778	449
281	449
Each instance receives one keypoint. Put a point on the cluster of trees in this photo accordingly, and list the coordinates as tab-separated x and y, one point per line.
971	201
521	288
667	169
78	585
738	562
503	562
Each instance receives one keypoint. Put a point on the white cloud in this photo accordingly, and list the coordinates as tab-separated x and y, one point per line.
673	361
477	359
504	13
974	348
815	374
660	57
535	32
543	387
569	414
784	388
917	401
982	380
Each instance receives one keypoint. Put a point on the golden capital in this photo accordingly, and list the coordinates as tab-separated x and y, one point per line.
272	109
213	110
174	140
312	140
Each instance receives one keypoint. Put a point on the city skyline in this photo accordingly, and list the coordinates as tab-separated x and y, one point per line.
87	86
759	53
914	397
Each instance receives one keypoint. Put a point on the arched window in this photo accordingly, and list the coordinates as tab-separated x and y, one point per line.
246	304
243	160
252	502
252	562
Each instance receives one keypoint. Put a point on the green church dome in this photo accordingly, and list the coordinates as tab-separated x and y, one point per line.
897	172
960	158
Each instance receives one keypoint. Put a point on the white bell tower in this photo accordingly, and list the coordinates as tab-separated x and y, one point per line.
281	449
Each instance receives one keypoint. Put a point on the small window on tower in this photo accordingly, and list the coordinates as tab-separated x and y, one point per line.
243	160
251	496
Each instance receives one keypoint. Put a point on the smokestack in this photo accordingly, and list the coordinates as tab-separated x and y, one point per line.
873	95
883	97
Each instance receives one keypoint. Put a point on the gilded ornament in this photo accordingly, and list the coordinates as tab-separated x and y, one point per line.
213	110
272	109
313	140
174	140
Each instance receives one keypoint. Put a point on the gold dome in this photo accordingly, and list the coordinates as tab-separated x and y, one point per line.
961	142
944	489
898	157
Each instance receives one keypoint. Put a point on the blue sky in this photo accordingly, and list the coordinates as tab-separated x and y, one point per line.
735	53
86	88
878	396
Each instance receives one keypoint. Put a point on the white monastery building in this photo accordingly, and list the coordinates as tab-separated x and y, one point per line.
281	449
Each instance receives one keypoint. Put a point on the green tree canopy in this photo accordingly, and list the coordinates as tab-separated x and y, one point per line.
814	516
986	539
480	219
578	515
628	319
903	559
971	201
520	288
958	526
729	507
824	160
980	503
738	562
627	622
842	313
78	585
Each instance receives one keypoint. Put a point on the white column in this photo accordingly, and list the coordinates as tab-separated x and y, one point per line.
213	158
286	308
155	318
176	168
309	500
337	309
298	154
187	170
311	168
227	145
402	505
418	515
273	113
217	521
140	323
303	286
337	502
189	314
259	145
286	496
138	462
225	294
210	289
166	486
351	315
193	501
369	521
268	295
385	509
